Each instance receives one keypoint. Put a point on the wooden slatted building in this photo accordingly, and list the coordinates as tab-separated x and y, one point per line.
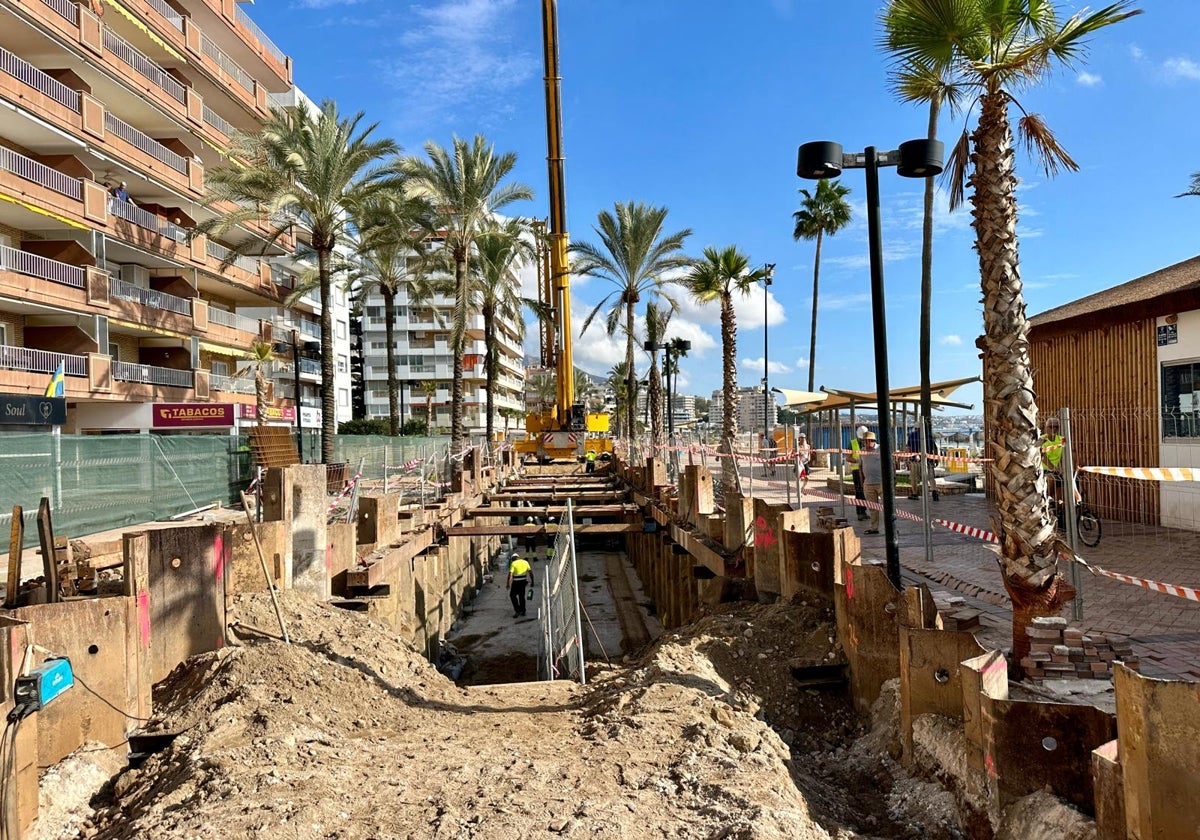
1101	357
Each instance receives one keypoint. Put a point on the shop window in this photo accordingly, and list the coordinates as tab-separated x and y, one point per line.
1181	400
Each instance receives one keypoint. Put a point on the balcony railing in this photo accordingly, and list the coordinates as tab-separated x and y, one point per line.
172	17
232	320
25	72
32	265
310	366
226	63
147	144
39	173
218	122
248	22
66	9
41	361
232	384
118	288
125	51
219	252
151	375
310	329
145	219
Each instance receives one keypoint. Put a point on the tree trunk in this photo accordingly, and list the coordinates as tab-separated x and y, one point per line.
328	390
429	414
654	400
260	396
1028	557
393	383
491	363
728	389
458	336
630	375
935	106
812	341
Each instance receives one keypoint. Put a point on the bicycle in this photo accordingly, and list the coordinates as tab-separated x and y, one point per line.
1087	523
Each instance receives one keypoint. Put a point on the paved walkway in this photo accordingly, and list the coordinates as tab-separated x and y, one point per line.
1164	630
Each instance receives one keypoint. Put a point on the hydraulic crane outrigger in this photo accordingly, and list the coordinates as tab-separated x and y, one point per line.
567	431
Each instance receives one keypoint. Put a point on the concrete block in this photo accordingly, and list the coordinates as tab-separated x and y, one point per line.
1108	792
309	514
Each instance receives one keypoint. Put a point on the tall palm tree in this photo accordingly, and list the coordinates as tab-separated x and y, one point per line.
314	168
618	380
391	229
634	255
822	213
657	319
721	273
1194	189
465	184
261	354
429	389
501	249
993	50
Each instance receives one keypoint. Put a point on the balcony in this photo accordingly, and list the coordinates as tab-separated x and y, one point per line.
145	67
311	366
151	375
27	74
230	67
41	361
311	330
218	122
232	384
39	173
219	252
32	265
65	9
121	290
232	320
147	220
146	144
171	16
269	45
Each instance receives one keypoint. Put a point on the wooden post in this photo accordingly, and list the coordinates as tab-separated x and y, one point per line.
49	553
16	544
139	679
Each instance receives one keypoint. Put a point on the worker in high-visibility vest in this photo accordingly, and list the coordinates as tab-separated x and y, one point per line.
531	535
856	446
591	461
520	575
1051	443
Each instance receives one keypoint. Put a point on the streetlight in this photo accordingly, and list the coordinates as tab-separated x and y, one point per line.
914	159
294	348
767	277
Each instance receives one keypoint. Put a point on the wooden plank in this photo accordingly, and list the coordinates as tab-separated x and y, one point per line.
608	496
49	559
16	545
525	530
552	510
385	568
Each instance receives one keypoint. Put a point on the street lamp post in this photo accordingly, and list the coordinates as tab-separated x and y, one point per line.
914	159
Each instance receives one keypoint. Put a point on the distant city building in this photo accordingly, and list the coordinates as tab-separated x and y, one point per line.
750	408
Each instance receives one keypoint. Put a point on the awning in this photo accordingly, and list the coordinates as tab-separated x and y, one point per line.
842	398
793	399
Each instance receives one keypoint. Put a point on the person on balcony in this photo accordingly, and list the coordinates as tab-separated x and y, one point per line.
121	193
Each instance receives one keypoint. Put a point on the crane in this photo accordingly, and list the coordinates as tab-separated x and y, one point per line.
567	431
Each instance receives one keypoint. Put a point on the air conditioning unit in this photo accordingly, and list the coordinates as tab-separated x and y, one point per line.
137	275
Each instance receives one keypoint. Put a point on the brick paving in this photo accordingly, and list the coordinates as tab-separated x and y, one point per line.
1164	630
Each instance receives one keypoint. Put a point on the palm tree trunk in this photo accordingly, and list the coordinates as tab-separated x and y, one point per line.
429	413
1027	555
490	364
260	396
935	107
328	390
654	398
729	390
458	335
812	341
631	377
389	328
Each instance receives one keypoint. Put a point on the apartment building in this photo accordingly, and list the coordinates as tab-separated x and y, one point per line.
150	332
424	364
750	409
684	406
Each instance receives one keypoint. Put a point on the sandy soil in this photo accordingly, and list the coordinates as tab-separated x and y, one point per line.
348	733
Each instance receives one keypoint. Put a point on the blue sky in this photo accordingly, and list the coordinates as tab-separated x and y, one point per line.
699	105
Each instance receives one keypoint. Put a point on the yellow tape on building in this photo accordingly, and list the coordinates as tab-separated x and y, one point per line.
125	13
41	212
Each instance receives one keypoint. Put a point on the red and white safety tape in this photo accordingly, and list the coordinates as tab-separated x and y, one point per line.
1147	473
349	486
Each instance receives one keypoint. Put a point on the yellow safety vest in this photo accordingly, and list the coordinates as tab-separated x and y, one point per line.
854	448
1052	452
519	568
591	456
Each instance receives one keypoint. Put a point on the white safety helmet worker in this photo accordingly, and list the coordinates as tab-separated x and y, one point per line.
861	431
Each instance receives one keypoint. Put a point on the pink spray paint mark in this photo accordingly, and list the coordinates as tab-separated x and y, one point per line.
143	616
990	764
219	558
850	583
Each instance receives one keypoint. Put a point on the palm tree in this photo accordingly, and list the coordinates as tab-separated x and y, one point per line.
1194	189
314	168
993	50
391	228
261	353
618	379
547	390
501	249
465	186
657	320
429	389
634	255
716	277
825	212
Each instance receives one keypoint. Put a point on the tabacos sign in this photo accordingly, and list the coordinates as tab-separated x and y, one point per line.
191	415
274	413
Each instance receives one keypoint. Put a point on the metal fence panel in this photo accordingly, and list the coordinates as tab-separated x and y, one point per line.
560	617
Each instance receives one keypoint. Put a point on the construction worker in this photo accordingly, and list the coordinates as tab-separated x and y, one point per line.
531	535
871	468
590	457
549	552
856	446
1051	443
520	575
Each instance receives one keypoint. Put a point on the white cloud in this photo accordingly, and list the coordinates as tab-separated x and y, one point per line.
756	366
1135	52
831	302
802	364
458	53
950	340
748	309
1089	79
1181	68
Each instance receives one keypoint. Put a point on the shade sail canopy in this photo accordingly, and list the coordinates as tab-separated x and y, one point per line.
837	398
795	399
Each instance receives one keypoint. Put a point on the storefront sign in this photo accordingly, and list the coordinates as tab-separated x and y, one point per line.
274	413
26	410
310	418
1168	334
191	415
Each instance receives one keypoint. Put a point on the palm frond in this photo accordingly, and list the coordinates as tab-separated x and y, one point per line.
1043	146
956	169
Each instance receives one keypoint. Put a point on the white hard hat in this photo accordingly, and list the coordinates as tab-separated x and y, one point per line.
529	519
861	430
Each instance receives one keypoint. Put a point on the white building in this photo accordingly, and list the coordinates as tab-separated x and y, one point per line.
750	408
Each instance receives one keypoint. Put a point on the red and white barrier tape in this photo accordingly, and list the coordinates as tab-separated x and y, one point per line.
349	486
1147	473
407	466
